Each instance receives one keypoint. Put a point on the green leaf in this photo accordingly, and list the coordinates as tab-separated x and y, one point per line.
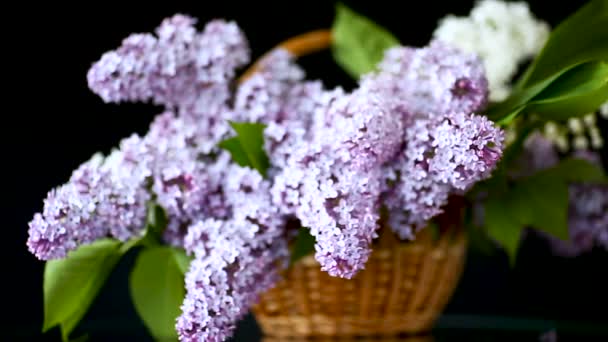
71	284
580	38
577	92
516	102
247	147
502	226
157	290
571	92
358	44
182	259
303	246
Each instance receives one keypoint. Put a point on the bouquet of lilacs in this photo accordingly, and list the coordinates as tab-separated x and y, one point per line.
238	177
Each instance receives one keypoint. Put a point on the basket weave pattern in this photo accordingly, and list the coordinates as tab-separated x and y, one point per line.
403	289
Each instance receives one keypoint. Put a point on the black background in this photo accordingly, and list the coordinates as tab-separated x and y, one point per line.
57	123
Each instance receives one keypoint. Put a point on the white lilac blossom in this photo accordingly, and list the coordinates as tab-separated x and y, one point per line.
586	134
235	260
504	34
577	134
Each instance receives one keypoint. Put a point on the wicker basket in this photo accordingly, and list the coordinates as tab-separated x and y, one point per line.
403	289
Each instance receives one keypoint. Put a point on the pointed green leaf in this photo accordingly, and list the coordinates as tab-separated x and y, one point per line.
358	44
71	284
303	246
157	291
577	92
519	98
247	147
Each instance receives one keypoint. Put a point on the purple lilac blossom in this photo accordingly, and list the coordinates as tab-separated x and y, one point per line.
108	197
235	259
443	155
447	147
236	234
317	178
435	79
406	136
186	71
278	96
186	182
587	220
173	68
332	181
104	197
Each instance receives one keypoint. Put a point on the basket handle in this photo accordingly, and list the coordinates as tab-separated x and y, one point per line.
299	45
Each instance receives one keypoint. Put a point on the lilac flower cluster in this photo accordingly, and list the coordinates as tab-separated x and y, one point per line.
174	67
405	139
235	259
108	197
435	79
332	181
588	203
447	148
102	198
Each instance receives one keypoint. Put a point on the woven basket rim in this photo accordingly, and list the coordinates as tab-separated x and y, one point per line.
445	244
